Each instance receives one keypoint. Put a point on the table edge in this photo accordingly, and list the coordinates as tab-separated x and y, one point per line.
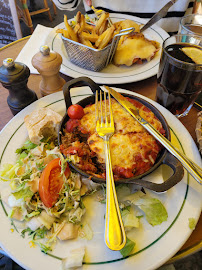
14	42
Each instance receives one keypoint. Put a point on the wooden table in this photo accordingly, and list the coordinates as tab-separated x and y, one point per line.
146	88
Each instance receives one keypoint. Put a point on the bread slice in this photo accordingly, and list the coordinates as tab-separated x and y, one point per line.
41	123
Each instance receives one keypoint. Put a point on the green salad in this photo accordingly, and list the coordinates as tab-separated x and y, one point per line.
47	197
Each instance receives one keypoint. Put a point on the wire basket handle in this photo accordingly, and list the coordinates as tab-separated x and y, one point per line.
115	41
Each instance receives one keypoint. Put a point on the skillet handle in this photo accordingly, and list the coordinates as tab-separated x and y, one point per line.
80	81
178	173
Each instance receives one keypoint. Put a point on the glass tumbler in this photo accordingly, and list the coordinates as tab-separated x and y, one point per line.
191	24
179	77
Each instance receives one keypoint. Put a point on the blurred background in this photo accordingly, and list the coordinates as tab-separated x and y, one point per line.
43	18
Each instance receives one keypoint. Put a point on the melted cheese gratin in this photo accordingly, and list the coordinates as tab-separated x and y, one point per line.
124	122
133	149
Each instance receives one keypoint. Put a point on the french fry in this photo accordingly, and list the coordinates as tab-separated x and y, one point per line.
77	27
85	41
88	36
82	23
93	32
97	36
107	38
100	38
103	27
60	31
70	30
89	27
102	18
64	32
78	17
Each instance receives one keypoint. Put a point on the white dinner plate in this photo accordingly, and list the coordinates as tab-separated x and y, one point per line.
111	74
154	245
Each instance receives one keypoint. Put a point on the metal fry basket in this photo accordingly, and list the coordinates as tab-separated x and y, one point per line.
90	58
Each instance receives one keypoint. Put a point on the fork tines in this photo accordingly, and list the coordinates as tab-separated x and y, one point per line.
99	12
104	115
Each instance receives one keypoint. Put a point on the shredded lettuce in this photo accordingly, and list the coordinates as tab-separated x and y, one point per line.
27	146
46	219
10	215
22	156
8	172
23	193
85	231
35	235
154	210
40	165
26	175
57	227
192	223
127	249
44	248
129	219
44	224
122	191
133	197
76	215
32	214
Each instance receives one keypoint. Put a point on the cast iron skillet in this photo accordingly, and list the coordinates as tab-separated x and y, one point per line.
164	156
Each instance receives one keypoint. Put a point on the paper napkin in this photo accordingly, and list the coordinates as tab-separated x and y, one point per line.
37	39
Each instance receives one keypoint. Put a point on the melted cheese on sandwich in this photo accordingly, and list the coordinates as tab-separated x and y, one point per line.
133	48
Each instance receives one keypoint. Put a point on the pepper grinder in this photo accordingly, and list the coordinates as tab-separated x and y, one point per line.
48	65
14	76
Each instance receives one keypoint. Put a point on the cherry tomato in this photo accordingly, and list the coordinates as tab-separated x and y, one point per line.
75	111
71	124
51	182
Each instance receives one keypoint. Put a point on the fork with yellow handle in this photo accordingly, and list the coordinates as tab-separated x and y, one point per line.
101	13
115	237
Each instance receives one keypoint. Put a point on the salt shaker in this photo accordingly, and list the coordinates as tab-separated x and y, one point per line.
48	65
14	77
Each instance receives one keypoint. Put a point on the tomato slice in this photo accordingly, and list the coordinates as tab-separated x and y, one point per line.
51	182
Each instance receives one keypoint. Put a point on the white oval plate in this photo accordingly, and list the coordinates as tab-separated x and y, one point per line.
154	245
111	74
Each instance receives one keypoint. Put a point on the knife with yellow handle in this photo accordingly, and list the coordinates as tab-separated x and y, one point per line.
188	164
